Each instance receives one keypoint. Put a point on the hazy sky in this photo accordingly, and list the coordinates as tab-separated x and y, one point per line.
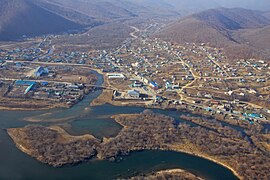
205	4
260	4
192	4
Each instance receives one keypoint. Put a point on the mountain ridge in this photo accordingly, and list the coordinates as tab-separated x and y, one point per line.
24	18
222	27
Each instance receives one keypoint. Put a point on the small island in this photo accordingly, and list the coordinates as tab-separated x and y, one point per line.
244	154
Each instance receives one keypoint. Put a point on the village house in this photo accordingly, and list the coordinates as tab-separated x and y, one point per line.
40	71
137	84
134	94
153	85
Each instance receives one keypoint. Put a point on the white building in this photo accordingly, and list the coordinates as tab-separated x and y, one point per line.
40	71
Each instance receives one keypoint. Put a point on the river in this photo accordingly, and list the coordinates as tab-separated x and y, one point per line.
82	119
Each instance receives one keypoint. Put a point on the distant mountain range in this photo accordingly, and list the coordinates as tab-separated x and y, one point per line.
38	17
243	33
28	18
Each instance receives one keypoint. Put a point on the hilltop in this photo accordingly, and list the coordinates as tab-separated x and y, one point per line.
241	32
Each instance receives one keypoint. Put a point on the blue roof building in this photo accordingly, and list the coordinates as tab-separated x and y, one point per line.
24	83
254	115
44	83
153	85
30	85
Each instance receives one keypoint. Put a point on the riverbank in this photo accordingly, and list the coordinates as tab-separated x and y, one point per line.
168	174
3	108
200	154
11	104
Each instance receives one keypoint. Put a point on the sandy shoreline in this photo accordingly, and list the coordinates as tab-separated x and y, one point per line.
23	109
210	159
168	174
32	109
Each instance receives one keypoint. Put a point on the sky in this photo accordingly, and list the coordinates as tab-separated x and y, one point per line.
206	4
